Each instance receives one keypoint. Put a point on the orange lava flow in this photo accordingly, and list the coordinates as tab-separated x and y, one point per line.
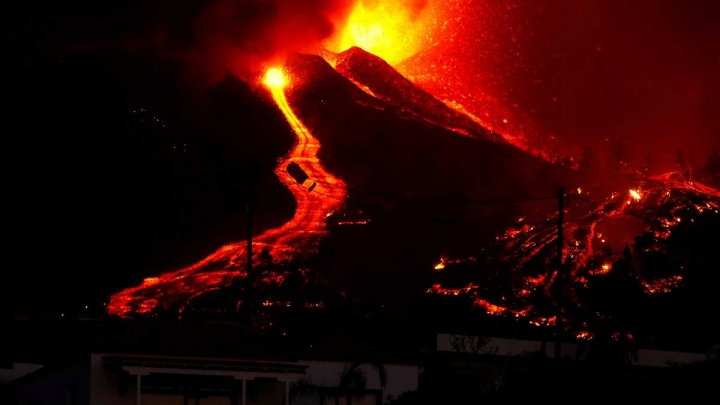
319	195
657	206
391	29
452	50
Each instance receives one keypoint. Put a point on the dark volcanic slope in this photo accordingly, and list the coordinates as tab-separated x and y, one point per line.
417	181
389	85
373	147
118	181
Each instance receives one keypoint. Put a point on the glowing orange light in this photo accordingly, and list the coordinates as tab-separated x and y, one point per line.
604	269
390	29
151	281
227	263
440	265
491	309
635	195
583	335
275	78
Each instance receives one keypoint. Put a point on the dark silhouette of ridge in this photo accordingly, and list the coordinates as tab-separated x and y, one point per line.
393	88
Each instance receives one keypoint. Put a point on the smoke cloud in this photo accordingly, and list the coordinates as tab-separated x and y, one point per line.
244	36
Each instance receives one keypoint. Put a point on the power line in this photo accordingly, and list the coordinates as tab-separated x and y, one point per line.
399	196
460	222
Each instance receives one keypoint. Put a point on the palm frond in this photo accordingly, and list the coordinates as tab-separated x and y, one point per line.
306	388
378	366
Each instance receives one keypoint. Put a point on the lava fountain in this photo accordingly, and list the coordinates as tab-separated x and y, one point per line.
317	194
393	30
437	45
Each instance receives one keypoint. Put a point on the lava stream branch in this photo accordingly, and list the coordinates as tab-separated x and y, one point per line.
319	195
657	205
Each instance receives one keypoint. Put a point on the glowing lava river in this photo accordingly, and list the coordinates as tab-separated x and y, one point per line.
316	197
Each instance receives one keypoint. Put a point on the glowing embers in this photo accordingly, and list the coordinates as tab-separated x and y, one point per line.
391	29
596	235
604	269
444	261
275	78
173	291
663	285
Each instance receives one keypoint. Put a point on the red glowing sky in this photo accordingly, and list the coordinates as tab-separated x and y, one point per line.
585	72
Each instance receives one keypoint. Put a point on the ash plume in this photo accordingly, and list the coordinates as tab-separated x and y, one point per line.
243	36
209	38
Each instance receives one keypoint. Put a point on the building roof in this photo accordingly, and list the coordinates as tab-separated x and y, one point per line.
206	364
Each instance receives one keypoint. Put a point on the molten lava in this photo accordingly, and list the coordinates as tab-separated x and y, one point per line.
589	248
391	29
275	78
316	197
428	43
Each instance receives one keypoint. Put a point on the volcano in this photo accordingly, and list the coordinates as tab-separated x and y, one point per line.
387	178
381	80
413	168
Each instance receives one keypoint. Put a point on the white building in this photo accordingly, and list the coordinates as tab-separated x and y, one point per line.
518	347
117	379
152	370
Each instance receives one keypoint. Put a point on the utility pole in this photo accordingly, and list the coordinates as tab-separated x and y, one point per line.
249	213
559	277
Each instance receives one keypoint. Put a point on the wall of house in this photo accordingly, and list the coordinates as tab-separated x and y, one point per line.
57	387
167	399
265	391
17	370
400	378
519	347
108	387
119	388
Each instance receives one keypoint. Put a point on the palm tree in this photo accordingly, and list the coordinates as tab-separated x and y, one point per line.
352	384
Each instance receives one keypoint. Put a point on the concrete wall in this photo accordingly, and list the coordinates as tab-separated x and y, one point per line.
516	347
17	370
98	385
164	399
105	389
53	388
400	378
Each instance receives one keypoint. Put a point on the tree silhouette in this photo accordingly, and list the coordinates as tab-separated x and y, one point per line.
648	165
616	296
682	165
712	165
618	156
351	386
589	161
712	168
